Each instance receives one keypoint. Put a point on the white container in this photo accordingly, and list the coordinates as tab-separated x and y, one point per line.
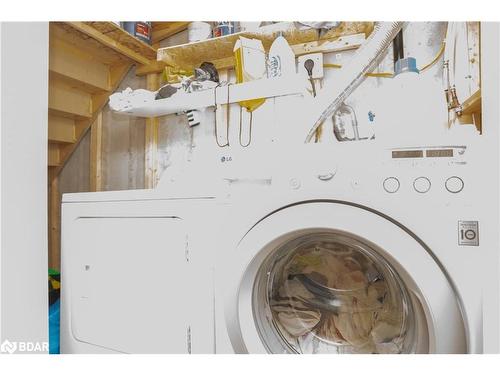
281	60
199	31
249	26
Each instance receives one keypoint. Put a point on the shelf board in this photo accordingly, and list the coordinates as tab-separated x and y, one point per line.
262	88
472	104
220	50
113	36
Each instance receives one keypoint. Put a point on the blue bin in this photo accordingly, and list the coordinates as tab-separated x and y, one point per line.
54	327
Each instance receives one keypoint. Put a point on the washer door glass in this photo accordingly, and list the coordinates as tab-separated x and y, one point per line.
332	293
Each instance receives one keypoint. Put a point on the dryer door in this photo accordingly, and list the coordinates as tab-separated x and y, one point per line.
331	277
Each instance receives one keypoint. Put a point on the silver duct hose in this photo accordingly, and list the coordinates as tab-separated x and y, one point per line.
364	61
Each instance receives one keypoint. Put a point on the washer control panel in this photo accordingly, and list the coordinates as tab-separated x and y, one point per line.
424	170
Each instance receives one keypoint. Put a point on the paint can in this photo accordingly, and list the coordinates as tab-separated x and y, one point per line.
222	28
199	31
140	29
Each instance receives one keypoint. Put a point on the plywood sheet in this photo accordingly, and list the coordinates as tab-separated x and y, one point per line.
193	54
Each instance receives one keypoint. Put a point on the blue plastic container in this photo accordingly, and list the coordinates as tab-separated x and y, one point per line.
54	327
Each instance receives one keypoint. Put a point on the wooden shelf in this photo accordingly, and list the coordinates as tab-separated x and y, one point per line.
472	104
220	50
113	36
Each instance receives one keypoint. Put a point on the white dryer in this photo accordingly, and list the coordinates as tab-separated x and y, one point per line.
137	272
359	248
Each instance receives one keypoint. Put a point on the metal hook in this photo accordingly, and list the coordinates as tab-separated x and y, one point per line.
227	118
249	130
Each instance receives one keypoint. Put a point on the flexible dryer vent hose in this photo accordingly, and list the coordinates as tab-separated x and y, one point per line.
364	61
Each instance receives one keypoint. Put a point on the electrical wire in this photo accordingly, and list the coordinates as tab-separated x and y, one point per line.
436	58
249	130
227	118
391	75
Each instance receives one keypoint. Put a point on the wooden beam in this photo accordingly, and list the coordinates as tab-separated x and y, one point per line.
80	71
109	42
154	67
344	43
168	30
96	154
61	129
67	101
151	140
54	225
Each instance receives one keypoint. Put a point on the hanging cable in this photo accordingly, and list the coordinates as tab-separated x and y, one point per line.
436	58
249	130
227	118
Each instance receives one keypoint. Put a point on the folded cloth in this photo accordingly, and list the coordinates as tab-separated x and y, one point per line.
128	99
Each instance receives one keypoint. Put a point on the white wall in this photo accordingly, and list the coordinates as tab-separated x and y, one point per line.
23	199
181	148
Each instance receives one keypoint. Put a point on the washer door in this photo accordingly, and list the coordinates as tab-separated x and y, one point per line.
331	277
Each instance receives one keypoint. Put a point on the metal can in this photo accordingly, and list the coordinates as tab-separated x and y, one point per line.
222	28
140	29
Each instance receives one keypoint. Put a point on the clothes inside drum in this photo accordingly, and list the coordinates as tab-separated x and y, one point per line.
332	293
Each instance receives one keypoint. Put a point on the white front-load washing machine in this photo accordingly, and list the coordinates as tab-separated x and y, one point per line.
359	248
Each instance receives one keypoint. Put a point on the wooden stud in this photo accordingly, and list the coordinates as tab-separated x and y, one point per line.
109	42
54	225
151	140
96	154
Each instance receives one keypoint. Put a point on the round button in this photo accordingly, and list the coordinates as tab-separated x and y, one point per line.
391	184
422	185
295	183
454	184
